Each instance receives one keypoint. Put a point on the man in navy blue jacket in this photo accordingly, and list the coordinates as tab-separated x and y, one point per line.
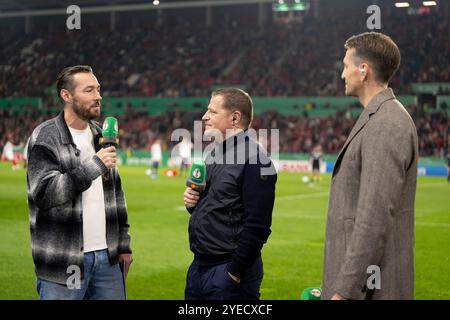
230	220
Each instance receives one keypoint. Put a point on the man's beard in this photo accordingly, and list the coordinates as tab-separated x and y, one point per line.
86	113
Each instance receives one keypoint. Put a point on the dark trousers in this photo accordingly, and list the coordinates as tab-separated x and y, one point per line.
214	283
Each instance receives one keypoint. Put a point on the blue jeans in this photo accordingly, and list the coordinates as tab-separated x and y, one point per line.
214	283
101	282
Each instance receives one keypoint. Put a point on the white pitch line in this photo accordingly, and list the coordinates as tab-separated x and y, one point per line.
432	184
433	224
300	216
303	196
321	194
421	224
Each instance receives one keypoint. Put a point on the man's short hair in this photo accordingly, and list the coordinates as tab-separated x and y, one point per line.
237	99
379	50
65	77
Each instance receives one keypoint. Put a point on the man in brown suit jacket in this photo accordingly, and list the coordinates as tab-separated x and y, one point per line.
369	246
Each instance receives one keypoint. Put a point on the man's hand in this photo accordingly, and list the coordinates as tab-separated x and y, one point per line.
337	296
235	279
108	156
191	198
125	260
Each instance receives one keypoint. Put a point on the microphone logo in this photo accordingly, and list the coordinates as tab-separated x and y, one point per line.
196	179
197	173
316	293
110	132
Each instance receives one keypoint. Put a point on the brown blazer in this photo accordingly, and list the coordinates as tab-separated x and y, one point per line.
371	207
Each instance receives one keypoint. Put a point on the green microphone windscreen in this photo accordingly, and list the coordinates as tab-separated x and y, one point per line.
109	132
197	176
311	294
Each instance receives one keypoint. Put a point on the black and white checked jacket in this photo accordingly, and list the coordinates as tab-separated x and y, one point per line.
56	179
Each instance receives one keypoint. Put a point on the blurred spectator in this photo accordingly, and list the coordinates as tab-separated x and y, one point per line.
297	134
186	58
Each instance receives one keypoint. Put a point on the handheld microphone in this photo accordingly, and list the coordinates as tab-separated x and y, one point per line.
311	294
109	133
197	176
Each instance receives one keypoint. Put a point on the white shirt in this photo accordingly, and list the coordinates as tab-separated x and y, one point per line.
185	149
156	152
8	151
94	216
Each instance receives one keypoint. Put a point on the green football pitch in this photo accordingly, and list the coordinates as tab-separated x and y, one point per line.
292	257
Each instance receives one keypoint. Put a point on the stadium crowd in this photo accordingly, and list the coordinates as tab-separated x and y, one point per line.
186	58
297	134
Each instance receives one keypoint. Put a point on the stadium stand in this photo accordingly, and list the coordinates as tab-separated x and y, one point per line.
182	58
185	58
297	133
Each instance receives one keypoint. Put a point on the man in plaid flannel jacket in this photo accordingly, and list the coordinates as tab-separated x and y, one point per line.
66	180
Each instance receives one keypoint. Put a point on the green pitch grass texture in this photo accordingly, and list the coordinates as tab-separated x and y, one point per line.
292	257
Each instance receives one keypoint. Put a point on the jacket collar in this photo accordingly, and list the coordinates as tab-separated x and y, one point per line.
378	100
372	107
65	135
222	147
63	129
236	138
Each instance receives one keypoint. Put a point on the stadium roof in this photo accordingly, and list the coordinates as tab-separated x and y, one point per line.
14	8
28	5
18	5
